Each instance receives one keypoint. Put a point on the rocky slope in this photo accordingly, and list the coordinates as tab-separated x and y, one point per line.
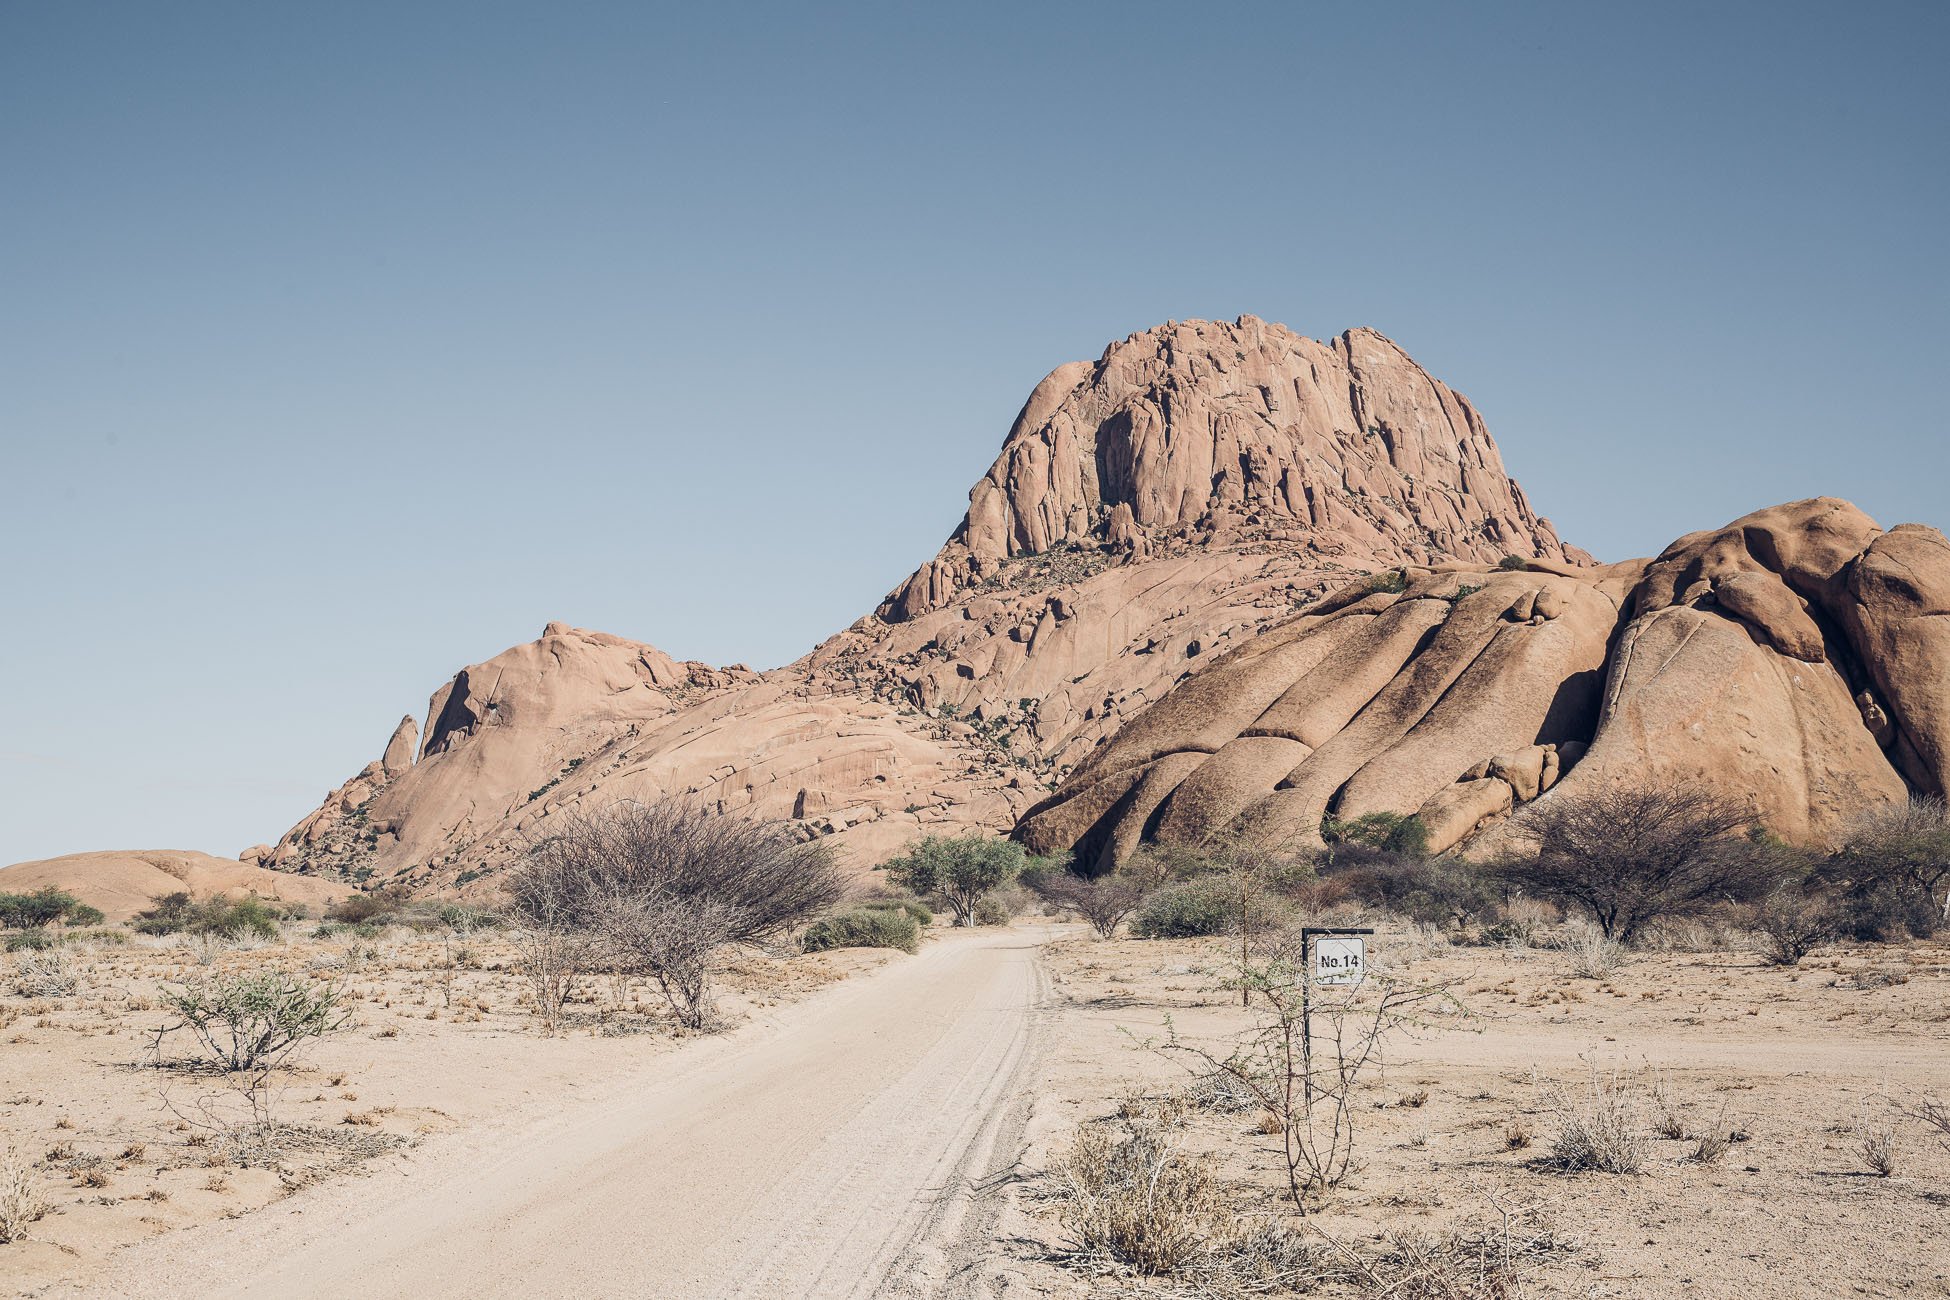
1196	484
1798	659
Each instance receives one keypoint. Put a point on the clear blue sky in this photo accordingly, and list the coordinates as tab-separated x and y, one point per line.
343	345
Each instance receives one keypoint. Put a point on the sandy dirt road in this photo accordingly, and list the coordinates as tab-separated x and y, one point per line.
841	1150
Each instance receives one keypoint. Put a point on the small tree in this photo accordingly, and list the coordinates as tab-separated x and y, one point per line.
1630	855
253	1021
1791	922
42	907
1894	870
1106	902
661	889
961	871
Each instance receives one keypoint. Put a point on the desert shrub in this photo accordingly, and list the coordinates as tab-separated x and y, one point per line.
1434	891
1597	1128
373	905
1512	563
1130	1195
960	871
1893	872
254	1020
921	913
1590	953
1106	902
44	906
864	927
217	916
1393	581
989	910
29	941
20	1204
1190	909
1875	1146
1792	922
81	915
1378	830
45	975
662	889
1632	855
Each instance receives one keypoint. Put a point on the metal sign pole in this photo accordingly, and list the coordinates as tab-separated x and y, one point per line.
1307	1017
1358	973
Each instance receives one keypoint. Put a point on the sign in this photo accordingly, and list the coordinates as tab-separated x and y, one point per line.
1340	959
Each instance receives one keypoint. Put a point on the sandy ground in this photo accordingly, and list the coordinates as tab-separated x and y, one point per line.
442	1050
883	1125
828	1148
1792	1060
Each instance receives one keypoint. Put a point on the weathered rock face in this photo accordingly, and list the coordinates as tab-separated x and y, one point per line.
1150	511
1205	428
1796	659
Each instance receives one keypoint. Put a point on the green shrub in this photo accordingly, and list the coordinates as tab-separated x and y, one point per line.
29	941
372	906
1389	580
1379	830
990	910
864	927
80	915
241	1022
1188	910
44	906
1435	891
961	871
913	907
1512	563
225	918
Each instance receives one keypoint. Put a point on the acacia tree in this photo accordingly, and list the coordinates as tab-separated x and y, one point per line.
661	889
960	871
1106	901
1894	869
1630	855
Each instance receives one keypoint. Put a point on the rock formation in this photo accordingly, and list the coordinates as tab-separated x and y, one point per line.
1795	659
1195	485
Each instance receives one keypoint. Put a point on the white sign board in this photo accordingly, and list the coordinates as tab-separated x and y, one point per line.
1340	959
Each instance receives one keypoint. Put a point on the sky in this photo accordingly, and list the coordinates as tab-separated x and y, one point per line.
344	345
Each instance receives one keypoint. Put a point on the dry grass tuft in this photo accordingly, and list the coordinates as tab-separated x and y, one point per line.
1590	954
1875	1146
20	1204
1131	1196
1598	1128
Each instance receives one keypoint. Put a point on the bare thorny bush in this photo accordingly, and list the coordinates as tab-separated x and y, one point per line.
661	890
1133	1199
1308	1085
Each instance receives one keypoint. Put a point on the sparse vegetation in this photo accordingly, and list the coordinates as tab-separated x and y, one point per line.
662	889
1632	855
864	927
217	916
45	975
1189	909
43	907
1106	901
1893	872
1598	1127
254	1020
1875	1145
20	1204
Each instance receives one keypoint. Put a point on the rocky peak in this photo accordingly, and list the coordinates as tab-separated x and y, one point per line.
1210	433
